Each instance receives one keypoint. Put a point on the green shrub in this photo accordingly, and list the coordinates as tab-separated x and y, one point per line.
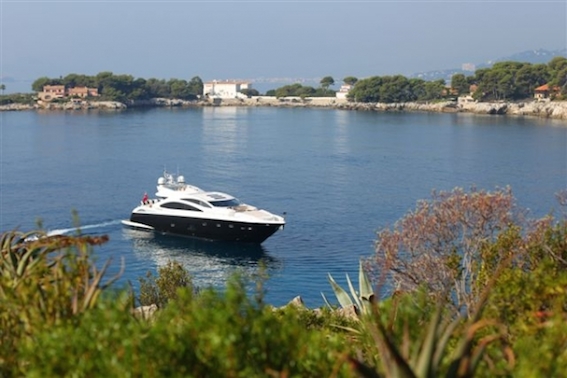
212	334
44	281
161	290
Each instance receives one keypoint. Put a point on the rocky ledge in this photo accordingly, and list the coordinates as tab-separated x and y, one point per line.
71	105
555	109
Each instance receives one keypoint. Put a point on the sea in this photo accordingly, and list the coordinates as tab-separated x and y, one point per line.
339	177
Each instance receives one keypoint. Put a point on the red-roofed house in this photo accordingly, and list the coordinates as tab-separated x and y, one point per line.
51	92
543	92
82	92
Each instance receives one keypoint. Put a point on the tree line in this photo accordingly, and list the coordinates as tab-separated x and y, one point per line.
503	81
125	87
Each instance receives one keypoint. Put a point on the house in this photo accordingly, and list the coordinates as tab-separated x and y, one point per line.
52	92
225	89
464	99
449	91
343	92
82	92
544	93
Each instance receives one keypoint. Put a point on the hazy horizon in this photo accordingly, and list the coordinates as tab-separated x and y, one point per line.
270	39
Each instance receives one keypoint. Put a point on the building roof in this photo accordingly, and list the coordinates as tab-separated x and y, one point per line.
53	87
542	88
226	82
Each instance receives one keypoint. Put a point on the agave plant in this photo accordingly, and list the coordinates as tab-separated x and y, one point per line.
435	353
361	300
54	273
449	346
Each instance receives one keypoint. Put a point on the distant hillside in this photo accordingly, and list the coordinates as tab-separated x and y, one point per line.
531	56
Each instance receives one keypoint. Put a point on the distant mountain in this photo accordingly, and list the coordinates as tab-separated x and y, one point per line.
533	56
530	56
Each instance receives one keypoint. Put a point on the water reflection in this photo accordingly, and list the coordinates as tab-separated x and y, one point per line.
224	136
210	263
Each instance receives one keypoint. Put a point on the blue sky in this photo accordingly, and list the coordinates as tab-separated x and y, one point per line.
252	39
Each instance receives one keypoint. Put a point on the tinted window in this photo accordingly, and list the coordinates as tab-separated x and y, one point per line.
198	202
179	206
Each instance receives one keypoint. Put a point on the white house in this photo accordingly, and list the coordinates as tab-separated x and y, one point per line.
225	89
342	93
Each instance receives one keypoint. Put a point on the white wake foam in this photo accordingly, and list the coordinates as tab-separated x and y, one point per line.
63	231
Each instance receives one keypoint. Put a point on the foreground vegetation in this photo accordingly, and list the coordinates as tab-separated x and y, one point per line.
479	289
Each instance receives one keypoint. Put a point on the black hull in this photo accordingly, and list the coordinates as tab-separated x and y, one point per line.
207	229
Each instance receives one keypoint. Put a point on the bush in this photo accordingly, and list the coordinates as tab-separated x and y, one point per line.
209	335
161	290
439	245
44	281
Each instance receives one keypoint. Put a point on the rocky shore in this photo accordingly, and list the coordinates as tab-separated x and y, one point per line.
554	110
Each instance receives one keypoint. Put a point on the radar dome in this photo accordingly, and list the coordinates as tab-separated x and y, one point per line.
181	179
161	181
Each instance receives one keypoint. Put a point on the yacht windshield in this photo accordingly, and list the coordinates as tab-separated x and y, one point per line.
226	203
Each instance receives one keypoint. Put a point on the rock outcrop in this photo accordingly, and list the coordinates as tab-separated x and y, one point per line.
549	109
81	105
145	312
16	107
555	109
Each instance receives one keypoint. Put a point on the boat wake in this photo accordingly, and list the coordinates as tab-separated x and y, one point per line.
80	229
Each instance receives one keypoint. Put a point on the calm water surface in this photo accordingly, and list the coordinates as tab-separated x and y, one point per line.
340	176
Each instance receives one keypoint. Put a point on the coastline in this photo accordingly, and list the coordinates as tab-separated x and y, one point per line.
542	109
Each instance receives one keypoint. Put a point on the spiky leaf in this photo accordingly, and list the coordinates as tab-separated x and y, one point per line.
340	293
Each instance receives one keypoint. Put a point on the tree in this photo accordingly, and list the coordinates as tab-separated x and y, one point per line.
250	92
2	88
38	84
179	89
75	80
557	64
350	80
418	88
440	245
460	84
294	90
196	86
366	90
157	88
530	77
327	81
434	89
395	89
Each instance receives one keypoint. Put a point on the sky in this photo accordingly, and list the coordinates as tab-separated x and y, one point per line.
239	39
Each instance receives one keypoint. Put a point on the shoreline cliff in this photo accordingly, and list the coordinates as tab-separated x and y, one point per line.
542	109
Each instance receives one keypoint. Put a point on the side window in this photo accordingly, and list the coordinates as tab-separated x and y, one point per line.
179	206
198	202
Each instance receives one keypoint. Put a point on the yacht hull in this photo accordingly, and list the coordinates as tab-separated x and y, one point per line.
207	228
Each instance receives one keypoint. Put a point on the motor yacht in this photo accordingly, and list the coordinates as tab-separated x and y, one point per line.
187	210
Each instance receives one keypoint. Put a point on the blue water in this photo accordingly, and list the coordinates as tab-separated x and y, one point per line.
340	176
